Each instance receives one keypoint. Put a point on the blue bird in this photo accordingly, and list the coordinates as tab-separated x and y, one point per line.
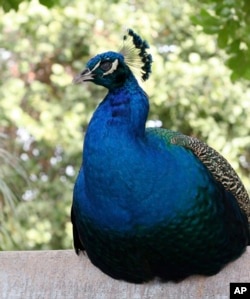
151	202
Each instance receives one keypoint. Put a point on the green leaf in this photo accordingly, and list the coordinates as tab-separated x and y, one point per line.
7	5
223	37
49	3
239	63
10	4
234	47
211	24
206	19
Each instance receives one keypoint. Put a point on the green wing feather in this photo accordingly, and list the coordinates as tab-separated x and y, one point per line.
215	163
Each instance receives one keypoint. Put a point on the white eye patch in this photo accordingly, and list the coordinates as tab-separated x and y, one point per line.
96	66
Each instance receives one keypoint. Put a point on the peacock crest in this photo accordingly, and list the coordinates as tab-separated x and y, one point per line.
135	53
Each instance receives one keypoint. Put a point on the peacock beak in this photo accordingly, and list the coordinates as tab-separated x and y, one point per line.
85	75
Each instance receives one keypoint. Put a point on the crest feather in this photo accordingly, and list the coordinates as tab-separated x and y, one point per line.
135	53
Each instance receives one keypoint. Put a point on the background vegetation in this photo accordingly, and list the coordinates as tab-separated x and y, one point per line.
199	86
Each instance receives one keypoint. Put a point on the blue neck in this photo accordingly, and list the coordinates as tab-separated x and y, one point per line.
124	109
112	138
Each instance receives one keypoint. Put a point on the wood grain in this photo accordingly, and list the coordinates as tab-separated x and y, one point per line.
62	274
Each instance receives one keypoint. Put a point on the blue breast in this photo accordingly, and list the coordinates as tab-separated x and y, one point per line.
144	207
127	181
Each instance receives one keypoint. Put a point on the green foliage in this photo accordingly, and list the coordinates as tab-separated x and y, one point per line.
12	179
44	115
229	21
7	5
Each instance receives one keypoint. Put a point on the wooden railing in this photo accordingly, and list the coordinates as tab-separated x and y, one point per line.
62	274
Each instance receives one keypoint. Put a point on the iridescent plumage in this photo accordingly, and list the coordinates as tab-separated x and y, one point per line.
150	202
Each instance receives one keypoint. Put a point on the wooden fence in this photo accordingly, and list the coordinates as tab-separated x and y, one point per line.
62	274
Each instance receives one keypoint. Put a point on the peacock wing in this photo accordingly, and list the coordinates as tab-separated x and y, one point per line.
218	166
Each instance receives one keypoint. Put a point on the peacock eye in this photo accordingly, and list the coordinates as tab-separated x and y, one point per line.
106	65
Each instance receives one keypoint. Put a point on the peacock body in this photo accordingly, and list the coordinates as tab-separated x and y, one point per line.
145	203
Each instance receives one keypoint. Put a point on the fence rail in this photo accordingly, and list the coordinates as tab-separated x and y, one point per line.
62	274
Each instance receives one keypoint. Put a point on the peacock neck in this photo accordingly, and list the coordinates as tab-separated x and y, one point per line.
125	108
114	134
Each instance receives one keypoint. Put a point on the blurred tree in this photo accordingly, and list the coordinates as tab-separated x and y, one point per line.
44	116
7	5
12	179
229	21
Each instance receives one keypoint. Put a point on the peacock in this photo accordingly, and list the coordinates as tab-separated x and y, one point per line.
150	202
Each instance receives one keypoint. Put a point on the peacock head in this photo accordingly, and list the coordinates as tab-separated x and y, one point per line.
111	69
107	69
